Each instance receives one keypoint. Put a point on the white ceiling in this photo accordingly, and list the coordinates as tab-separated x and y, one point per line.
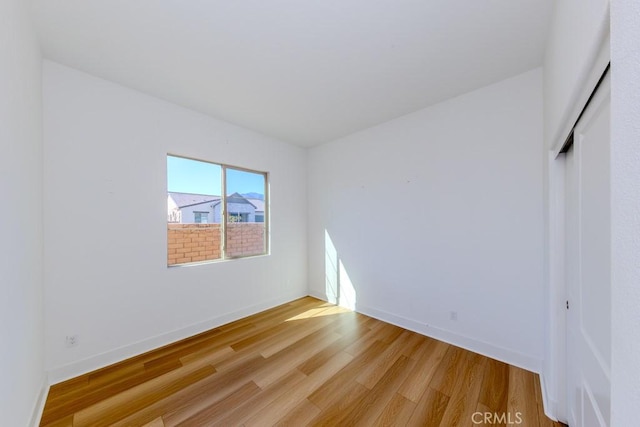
303	71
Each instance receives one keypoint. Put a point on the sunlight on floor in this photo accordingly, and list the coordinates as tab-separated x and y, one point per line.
320	312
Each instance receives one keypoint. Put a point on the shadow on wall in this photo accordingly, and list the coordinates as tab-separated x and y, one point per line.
338	286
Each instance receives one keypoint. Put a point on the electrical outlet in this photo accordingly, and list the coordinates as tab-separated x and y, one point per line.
453	315
71	341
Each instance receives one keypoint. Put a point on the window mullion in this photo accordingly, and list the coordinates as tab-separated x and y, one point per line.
223	200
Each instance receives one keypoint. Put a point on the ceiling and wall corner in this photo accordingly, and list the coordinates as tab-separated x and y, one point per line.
303	72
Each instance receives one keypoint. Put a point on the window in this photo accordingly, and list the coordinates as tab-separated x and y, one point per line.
201	217
214	211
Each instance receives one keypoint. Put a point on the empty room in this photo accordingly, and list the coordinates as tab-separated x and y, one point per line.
322	213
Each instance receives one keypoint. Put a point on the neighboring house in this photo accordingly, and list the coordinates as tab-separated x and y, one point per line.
187	208
259	212
191	208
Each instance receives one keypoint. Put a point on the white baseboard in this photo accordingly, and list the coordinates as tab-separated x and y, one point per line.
38	405
316	295
550	406
75	369
98	361
487	349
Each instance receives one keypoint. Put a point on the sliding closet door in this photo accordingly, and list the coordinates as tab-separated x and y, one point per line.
588	265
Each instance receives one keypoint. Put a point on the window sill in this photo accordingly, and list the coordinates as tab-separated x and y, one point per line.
217	261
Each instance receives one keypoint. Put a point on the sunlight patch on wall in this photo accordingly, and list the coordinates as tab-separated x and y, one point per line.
331	269
346	291
338	286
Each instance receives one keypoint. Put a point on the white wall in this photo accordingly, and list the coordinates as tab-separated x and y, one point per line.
577	31
625	215
21	324
440	211
106	277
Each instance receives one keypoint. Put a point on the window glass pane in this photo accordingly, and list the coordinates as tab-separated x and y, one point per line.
245	205
194	229
201	217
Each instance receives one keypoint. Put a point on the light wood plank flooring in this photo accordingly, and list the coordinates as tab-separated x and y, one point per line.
303	363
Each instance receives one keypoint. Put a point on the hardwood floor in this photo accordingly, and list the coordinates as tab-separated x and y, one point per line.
302	363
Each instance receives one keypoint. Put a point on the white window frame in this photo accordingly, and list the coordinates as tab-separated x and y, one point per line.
224	214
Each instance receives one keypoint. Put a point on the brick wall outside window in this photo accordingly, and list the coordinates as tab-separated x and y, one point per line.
201	242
